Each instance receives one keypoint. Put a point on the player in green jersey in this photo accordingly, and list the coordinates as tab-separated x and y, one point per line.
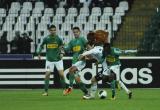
53	46
111	55
76	46
112	65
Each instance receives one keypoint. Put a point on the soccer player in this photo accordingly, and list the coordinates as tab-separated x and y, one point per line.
93	53
76	46
111	55
96	53
112	64
54	56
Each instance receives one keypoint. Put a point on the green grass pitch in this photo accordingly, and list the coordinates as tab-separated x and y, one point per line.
143	99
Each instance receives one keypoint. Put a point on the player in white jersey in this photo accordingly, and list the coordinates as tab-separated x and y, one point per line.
96	53
106	75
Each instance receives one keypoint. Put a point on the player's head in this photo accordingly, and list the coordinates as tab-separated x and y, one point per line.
91	38
106	49
52	29
101	37
76	32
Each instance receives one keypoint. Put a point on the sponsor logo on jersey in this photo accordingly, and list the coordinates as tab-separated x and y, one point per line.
76	48
49	46
110	58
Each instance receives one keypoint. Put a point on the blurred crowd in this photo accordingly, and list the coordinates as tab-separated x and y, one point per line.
68	3
21	44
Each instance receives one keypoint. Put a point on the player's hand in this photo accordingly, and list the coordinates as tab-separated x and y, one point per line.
61	56
81	57
39	57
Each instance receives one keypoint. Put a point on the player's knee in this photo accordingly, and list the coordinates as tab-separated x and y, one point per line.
93	80
47	75
77	79
112	77
61	73
72	70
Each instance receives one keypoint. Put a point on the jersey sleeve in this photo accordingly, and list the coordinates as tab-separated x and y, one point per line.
84	41
92	51
68	47
117	51
60	42
130	51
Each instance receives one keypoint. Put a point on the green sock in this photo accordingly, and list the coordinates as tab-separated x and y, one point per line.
62	80
71	79
46	85
83	87
113	88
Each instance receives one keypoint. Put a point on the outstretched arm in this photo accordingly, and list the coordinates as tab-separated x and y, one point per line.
129	51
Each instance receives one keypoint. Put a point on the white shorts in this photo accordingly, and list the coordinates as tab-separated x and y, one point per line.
50	65
80	65
116	70
106	70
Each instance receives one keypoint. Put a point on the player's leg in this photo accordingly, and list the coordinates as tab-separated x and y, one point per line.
81	84
71	80
78	66
93	88
72	71
113	84
109	78
116	70
126	89
49	68
60	68
46	83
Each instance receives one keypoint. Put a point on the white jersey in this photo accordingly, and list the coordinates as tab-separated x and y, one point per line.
95	53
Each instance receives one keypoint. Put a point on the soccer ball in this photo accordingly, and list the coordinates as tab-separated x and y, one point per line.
102	94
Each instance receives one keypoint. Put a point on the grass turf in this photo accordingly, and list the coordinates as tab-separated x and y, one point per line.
143	99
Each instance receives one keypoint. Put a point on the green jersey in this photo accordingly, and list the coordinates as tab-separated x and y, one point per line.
52	44
77	46
113	57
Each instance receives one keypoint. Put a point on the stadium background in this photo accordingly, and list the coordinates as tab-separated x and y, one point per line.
132	24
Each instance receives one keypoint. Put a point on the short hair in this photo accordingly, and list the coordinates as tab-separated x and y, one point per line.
76	28
51	26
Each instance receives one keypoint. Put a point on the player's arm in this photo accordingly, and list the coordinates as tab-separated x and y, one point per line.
118	51
84	41
40	48
89	47
129	51
61	47
87	54
68	47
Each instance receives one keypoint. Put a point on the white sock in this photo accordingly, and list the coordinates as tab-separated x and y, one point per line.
93	90
124	87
